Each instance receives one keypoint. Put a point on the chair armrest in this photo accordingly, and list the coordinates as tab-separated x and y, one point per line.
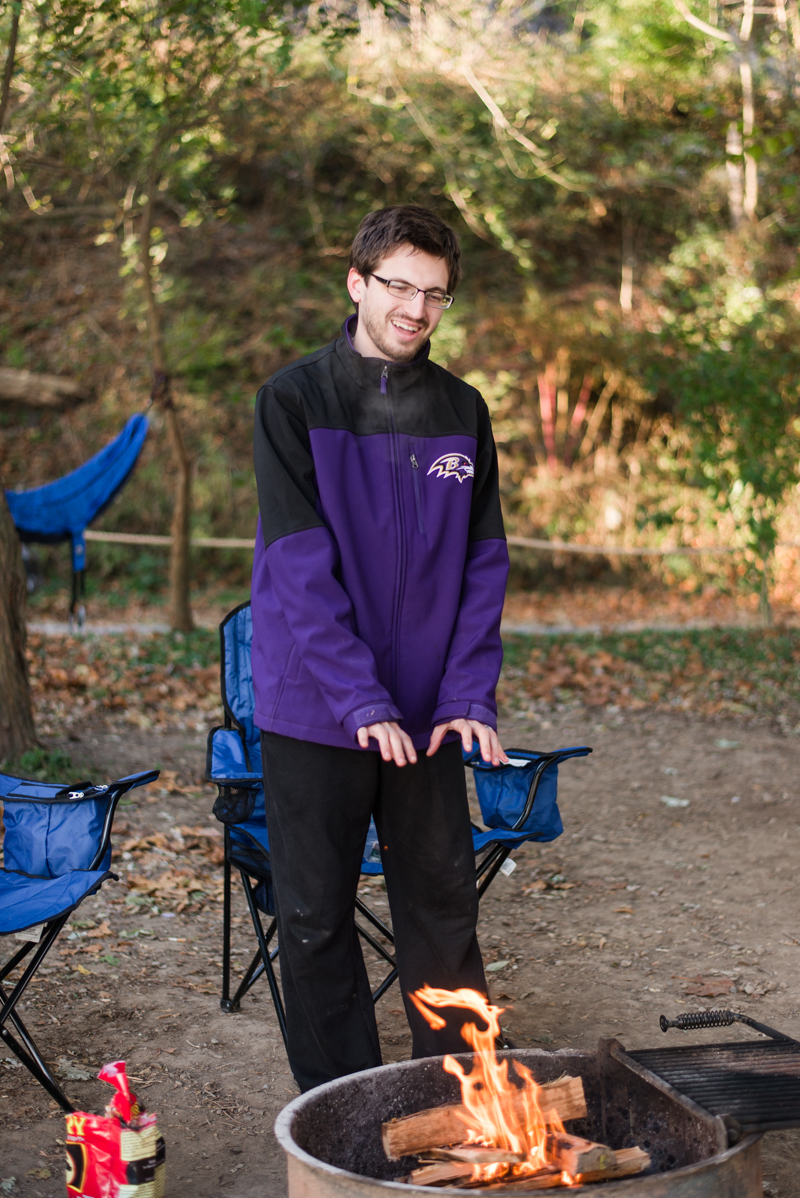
226	762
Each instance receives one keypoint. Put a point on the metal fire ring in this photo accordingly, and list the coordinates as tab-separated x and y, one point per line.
334	1130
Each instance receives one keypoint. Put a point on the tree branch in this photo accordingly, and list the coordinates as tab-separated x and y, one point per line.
721	34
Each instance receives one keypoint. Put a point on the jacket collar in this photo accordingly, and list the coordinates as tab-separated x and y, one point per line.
367	372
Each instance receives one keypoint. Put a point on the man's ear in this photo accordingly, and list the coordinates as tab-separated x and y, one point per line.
355	285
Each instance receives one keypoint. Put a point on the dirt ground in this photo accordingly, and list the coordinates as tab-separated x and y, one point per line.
638	904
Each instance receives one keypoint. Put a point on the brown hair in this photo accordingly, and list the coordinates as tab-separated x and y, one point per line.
387	229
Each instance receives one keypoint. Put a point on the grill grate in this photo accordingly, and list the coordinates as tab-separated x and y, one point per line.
755	1082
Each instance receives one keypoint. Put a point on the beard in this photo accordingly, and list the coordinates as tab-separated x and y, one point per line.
379	331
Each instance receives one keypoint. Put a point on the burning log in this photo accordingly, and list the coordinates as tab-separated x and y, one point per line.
508	1133
444	1125
575	1155
476	1154
629	1161
544	1179
438	1175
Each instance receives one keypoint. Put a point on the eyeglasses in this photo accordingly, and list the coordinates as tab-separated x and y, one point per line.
405	291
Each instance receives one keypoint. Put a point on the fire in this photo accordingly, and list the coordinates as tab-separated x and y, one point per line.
501	1112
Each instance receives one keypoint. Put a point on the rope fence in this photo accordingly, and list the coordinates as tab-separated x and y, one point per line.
135	538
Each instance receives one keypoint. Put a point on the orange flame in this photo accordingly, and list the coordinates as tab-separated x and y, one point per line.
500	1112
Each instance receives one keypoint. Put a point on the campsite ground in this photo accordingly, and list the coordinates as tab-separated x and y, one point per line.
642	906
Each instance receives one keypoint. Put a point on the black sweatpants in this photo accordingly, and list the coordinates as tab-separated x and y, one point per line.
319	801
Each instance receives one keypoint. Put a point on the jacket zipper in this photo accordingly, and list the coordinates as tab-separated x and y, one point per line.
417	493
401	564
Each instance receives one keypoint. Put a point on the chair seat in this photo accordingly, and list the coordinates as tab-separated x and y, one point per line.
25	901
255	829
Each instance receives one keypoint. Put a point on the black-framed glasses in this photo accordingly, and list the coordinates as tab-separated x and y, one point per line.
406	291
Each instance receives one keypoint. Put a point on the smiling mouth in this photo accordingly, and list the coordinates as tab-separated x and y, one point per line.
405	326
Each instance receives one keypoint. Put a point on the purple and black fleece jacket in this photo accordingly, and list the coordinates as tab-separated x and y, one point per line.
380	562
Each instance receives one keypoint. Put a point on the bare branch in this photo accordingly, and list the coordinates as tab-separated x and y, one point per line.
721	34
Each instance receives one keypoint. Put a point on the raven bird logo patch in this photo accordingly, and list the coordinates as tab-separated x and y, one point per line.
453	465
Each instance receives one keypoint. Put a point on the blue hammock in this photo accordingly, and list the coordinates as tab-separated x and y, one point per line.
62	510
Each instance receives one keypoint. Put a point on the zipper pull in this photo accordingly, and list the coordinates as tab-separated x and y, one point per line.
414	462
384	377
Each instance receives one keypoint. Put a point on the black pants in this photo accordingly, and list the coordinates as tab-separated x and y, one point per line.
319	801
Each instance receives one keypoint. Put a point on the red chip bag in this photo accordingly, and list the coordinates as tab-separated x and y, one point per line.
116	1155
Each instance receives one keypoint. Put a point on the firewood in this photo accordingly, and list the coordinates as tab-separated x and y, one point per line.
442	1125
543	1179
437	1175
576	1155
475	1154
629	1161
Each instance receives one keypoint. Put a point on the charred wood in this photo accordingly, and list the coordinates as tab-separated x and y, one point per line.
440	1126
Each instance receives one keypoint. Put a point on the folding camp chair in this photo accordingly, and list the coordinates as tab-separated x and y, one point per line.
57	850
518	803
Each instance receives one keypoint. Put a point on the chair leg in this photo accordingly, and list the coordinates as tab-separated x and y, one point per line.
267	959
225	1001
27	1052
377	947
388	981
374	920
38	1070
490	866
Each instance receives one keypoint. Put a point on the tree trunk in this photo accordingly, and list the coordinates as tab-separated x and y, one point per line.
734	147
180	609
748	117
17	732
8	70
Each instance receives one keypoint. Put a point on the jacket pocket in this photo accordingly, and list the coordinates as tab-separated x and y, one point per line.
417	490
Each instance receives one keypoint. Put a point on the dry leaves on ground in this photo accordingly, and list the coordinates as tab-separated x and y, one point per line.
178	869
117	683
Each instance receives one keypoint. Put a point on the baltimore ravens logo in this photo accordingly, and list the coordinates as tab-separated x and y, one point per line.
453	465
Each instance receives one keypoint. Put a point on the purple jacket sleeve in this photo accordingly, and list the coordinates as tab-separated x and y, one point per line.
476	651
320	617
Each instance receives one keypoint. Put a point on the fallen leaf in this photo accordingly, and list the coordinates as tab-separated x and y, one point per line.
496	965
103	930
71	1072
41	1174
708	987
538	885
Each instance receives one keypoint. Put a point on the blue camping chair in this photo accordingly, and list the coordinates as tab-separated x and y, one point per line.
518	803
57	850
62	510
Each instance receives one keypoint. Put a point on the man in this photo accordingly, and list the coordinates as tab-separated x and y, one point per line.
378	585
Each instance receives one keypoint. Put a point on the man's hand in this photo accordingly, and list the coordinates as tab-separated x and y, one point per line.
395	745
491	749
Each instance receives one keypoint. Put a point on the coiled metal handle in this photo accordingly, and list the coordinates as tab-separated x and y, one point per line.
695	1020
699	1019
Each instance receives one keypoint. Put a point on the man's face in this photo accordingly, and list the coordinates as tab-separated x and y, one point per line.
392	328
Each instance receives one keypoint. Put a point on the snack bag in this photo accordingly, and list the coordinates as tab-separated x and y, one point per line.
116	1155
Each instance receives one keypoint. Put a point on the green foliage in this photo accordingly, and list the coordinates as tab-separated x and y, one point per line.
756	667
42	765
564	141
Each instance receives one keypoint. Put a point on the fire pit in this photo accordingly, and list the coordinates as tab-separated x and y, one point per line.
333	1135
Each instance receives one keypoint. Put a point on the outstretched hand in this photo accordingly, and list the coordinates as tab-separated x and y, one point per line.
394	744
491	749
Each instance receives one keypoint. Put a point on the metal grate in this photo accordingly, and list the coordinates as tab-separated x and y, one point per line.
755	1082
